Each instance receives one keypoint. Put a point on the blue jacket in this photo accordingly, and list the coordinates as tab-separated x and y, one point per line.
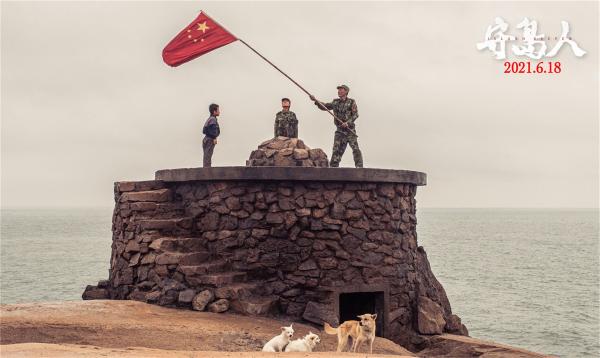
211	127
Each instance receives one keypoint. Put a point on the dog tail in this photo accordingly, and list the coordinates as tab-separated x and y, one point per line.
329	329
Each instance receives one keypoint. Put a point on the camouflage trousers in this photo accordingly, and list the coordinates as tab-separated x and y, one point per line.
208	145
340	141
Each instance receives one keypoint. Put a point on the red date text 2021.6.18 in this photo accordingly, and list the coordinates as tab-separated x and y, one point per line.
528	67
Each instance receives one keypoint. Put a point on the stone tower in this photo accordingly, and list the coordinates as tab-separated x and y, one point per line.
285	236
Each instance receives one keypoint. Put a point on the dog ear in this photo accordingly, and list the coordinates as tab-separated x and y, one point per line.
283	328
374	316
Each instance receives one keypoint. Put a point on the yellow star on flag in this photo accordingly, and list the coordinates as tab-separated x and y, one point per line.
202	27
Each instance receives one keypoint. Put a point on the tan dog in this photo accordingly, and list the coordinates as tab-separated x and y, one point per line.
363	331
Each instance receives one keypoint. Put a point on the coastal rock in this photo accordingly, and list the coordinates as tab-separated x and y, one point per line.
455	326
202	299
153	297
168	298
186	296
430	317
219	306
449	345
95	293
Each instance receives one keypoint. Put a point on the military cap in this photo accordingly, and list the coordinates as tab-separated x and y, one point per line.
344	87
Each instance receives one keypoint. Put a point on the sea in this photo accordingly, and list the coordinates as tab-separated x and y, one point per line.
523	277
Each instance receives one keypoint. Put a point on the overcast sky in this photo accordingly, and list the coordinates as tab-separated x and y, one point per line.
87	100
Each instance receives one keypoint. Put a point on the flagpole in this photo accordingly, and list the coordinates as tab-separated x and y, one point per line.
321	104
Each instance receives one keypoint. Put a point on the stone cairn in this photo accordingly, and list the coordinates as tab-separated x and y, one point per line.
286	152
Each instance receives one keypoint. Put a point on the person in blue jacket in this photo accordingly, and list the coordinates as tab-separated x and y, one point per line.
211	131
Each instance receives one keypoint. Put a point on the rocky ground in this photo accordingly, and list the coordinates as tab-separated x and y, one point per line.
134	329
68	350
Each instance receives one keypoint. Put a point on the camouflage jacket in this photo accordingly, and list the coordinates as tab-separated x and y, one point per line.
286	124
345	110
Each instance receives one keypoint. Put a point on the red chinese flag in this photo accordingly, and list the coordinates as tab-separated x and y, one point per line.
201	36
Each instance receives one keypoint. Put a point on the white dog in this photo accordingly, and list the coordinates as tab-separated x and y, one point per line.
306	344
277	343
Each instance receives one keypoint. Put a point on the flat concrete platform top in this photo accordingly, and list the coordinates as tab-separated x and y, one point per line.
364	175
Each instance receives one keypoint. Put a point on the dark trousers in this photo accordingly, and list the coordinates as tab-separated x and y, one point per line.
208	145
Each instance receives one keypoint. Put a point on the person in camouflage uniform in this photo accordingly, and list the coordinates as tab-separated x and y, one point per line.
286	124
345	110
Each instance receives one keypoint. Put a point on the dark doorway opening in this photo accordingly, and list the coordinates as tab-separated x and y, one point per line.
353	304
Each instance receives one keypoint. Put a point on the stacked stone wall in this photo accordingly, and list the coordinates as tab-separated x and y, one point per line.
276	247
